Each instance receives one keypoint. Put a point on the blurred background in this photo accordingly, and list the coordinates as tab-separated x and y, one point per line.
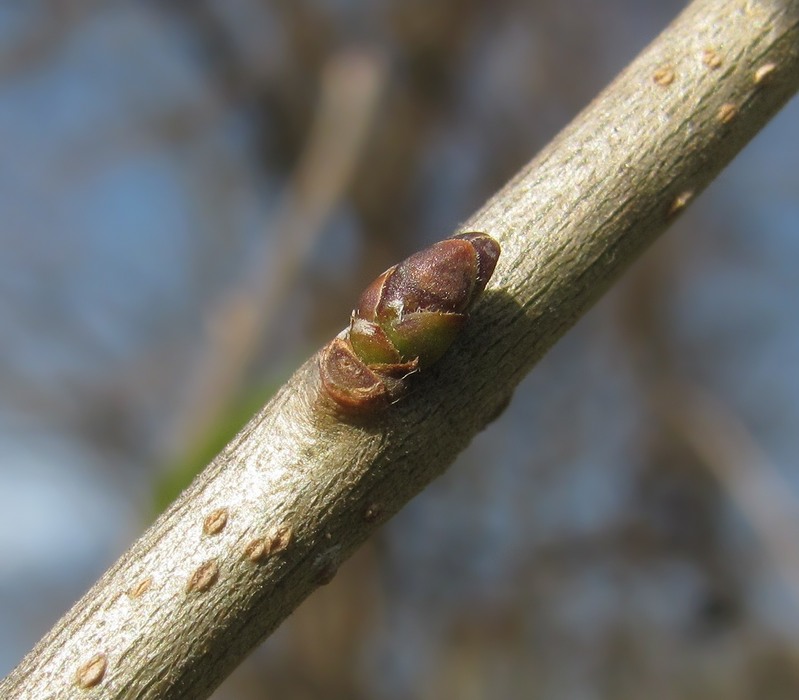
194	193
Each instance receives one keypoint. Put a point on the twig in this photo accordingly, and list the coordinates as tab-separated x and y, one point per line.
298	489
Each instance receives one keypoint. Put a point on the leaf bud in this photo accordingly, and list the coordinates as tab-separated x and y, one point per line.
406	319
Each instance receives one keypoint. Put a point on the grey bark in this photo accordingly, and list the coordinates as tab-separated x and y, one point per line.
298	489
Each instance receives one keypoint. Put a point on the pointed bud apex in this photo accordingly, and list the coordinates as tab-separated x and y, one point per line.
487	255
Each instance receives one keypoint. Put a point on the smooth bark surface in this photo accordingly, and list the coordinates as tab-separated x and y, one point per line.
299	488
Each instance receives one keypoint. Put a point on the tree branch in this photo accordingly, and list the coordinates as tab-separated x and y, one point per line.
298	489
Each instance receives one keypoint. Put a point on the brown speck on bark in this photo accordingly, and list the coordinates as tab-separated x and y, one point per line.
680	202
91	673
726	113
256	550
276	541
215	521
204	577
764	73
711	59
140	588
664	76
372	512
279	538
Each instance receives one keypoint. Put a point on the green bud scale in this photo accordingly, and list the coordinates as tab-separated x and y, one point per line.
405	321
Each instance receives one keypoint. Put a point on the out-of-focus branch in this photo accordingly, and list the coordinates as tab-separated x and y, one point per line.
299	488
728	450
43	39
350	89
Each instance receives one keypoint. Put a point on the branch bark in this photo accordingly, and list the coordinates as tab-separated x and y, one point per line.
298	489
